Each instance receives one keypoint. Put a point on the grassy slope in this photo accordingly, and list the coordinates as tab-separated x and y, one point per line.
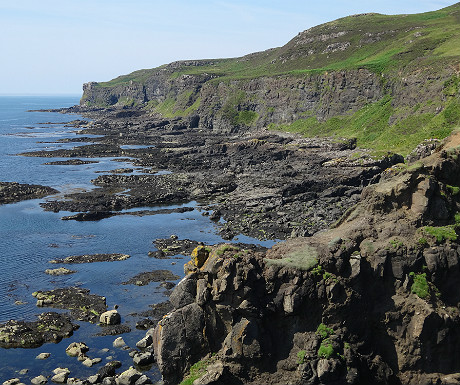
387	45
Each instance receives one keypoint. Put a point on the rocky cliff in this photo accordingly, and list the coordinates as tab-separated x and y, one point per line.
342	69
373	300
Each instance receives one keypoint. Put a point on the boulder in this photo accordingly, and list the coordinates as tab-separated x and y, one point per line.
128	377
39	380
144	359
111	317
76	348
43	356
119	342
145	342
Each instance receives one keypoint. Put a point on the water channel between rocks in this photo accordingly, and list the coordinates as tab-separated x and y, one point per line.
31	237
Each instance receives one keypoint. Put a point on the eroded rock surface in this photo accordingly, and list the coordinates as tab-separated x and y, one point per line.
371	301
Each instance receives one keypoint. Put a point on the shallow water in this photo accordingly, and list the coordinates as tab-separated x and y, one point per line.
30	237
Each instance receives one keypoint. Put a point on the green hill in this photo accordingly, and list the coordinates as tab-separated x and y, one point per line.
389	81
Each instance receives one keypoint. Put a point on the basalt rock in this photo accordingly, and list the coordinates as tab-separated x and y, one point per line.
372	300
50	327
83	306
11	192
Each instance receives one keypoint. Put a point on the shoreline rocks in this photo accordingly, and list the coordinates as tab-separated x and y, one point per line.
12	192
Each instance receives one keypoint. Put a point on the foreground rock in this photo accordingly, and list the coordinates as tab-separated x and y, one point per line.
50	327
83	306
373	300
11	192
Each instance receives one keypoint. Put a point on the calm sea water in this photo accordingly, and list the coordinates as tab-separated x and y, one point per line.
30	237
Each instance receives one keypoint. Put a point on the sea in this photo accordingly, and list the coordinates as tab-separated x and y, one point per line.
30	237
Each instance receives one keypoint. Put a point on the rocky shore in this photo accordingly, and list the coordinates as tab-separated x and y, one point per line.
264	184
245	314
11	192
372	300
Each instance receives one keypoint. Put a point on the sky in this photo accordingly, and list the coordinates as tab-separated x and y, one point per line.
53	47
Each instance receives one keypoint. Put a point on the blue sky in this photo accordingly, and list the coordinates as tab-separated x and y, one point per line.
53	47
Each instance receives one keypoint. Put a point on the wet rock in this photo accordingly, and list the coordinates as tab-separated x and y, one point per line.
12	381
90	258
173	246
59	271
43	356
88	362
50	327
91	216
70	162
113	330
60	375
76	348
144	359
39	380
83	306
145	342
145	278
143	380
119	342
11	192
111	317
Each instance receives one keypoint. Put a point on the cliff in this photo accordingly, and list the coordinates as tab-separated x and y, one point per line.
373	300
385	75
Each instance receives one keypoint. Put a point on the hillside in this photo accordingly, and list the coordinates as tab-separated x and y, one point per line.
390	81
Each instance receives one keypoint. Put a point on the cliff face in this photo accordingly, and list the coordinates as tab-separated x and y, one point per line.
372	301
335	70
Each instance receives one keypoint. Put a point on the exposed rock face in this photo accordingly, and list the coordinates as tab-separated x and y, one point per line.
370	301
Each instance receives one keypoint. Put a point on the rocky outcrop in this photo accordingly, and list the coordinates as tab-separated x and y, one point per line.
11	192
371	301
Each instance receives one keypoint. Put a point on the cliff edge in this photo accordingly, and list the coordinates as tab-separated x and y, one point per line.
373	300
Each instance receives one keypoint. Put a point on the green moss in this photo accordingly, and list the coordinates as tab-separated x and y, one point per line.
326	350
247	118
223	249
301	356
420	286
323	331
441	233
197	370
454	190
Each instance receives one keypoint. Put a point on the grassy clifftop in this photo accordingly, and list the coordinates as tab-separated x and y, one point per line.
378	42
389	80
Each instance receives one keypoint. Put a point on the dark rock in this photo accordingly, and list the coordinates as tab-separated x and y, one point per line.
50	327
90	258
145	278
82	305
11	192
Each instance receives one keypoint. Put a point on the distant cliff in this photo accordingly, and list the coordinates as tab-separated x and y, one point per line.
387	75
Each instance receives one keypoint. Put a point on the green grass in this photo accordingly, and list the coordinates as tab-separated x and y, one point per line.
370	126
196	371
378	42
323	331
420	286
301	356
303	259
393	46
326	350
441	233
